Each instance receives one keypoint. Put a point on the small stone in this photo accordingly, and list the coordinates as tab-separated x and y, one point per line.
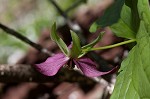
30	79
2	73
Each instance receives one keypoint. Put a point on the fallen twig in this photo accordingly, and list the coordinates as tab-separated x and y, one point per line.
24	39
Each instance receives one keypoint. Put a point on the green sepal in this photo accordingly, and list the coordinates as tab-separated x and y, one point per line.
63	47
94	27
90	45
111	16
76	47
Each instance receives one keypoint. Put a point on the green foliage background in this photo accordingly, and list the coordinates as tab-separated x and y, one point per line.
133	81
29	17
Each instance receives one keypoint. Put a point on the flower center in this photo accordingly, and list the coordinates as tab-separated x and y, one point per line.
70	65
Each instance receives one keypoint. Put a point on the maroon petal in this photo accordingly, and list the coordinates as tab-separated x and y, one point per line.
88	67
51	66
70	46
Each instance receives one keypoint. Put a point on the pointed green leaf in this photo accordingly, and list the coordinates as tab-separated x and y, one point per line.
111	15
76	47
59	41
144	12
141	71
124	88
126	16
134	12
94	27
123	28
134	74
133	81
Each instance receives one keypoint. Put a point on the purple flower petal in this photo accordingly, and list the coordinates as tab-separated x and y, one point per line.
70	46
51	66
88	67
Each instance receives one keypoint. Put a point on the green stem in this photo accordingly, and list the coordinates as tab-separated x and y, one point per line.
110	46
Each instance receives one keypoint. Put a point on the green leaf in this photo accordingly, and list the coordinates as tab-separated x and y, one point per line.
76	47
126	15
133	81
111	15
124	88
59	41
144	12
123	28
94	27
141	74
134	12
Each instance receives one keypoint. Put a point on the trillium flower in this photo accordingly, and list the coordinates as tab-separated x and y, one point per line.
73	54
51	66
